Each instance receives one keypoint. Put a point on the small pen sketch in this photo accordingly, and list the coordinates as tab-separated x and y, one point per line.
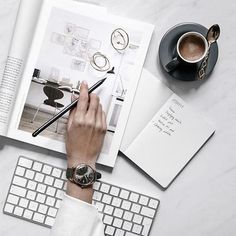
78	65
58	38
69	29
81	33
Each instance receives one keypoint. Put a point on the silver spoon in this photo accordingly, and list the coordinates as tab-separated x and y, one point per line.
212	35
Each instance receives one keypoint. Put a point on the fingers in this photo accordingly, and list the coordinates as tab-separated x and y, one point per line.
82	104
104	122
93	106
98	124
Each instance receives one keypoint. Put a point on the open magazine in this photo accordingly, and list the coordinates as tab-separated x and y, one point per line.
73	42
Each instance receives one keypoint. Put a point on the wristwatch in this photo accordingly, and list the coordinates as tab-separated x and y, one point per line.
83	175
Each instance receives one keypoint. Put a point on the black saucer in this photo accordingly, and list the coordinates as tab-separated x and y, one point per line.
167	50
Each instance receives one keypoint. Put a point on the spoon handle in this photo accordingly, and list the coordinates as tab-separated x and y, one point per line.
201	74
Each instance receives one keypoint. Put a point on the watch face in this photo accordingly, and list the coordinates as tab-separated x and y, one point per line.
84	175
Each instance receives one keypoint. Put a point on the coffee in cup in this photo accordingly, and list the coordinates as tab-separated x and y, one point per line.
191	48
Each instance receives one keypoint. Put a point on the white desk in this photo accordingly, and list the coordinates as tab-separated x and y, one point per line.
201	201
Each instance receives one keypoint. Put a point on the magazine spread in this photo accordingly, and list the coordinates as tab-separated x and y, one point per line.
71	45
27	17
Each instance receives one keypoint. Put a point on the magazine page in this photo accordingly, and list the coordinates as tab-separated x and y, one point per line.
71	45
18	51
27	17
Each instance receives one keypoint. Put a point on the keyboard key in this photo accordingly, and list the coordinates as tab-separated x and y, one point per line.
117	222
106	199
109	230
137	229
8	208
37	166
50	201
25	162
31	185
96	185
40	198
60	194
125	205
18	190
39	177
137	219
19	181
105	188
127	225
49	221
124	194
33	206
29	174
108	210
41	188
52	211
128	215
153	203
130	234
20	171
43	209
135	208
63	176
56	172
147	222
116	202
31	195
58	183
58	203
51	191
28	214
97	196
99	206
107	219
18	211
38	217
13	199
147	212
47	169
49	180
143	200
134	197
24	202
120	232
114	191
118	213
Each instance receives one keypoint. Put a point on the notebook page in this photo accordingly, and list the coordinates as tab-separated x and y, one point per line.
151	94
169	141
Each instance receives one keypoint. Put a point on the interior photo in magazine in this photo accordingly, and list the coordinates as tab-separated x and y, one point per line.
77	48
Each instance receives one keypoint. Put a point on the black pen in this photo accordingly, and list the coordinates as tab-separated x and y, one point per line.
66	109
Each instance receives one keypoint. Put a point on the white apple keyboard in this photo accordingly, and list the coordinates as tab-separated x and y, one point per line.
37	190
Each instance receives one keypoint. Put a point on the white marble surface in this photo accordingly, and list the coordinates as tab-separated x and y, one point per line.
201	201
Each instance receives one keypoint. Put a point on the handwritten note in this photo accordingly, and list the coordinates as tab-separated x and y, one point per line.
168	120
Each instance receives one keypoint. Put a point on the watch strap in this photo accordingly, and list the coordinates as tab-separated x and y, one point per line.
69	173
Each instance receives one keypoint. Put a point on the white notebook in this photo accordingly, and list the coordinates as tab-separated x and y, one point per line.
163	133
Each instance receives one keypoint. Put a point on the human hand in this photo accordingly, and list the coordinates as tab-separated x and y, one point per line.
86	129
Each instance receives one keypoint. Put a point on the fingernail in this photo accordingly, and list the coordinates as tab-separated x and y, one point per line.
84	82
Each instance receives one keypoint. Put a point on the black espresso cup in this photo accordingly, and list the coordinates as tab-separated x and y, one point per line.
191	48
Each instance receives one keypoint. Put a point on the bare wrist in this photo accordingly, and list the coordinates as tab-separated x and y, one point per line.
75	161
